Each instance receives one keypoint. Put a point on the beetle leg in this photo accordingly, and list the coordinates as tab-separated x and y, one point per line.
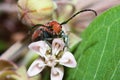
48	43
65	38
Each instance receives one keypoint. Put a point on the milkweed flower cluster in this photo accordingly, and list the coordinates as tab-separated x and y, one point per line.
54	56
32	12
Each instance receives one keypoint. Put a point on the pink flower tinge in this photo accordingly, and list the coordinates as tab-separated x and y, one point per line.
53	57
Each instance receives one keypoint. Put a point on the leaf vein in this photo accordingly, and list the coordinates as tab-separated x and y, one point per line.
86	44
88	64
119	59
108	30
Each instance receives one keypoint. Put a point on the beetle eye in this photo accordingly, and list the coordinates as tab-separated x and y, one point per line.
40	29
51	29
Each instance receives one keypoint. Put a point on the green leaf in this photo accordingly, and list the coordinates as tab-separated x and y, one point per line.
98	55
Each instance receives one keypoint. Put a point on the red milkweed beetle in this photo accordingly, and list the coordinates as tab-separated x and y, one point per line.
52	29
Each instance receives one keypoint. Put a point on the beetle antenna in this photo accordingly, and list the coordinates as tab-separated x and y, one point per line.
35	26
78	13
38	25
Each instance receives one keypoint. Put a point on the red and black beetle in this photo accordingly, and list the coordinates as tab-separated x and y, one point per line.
52	29
47	32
